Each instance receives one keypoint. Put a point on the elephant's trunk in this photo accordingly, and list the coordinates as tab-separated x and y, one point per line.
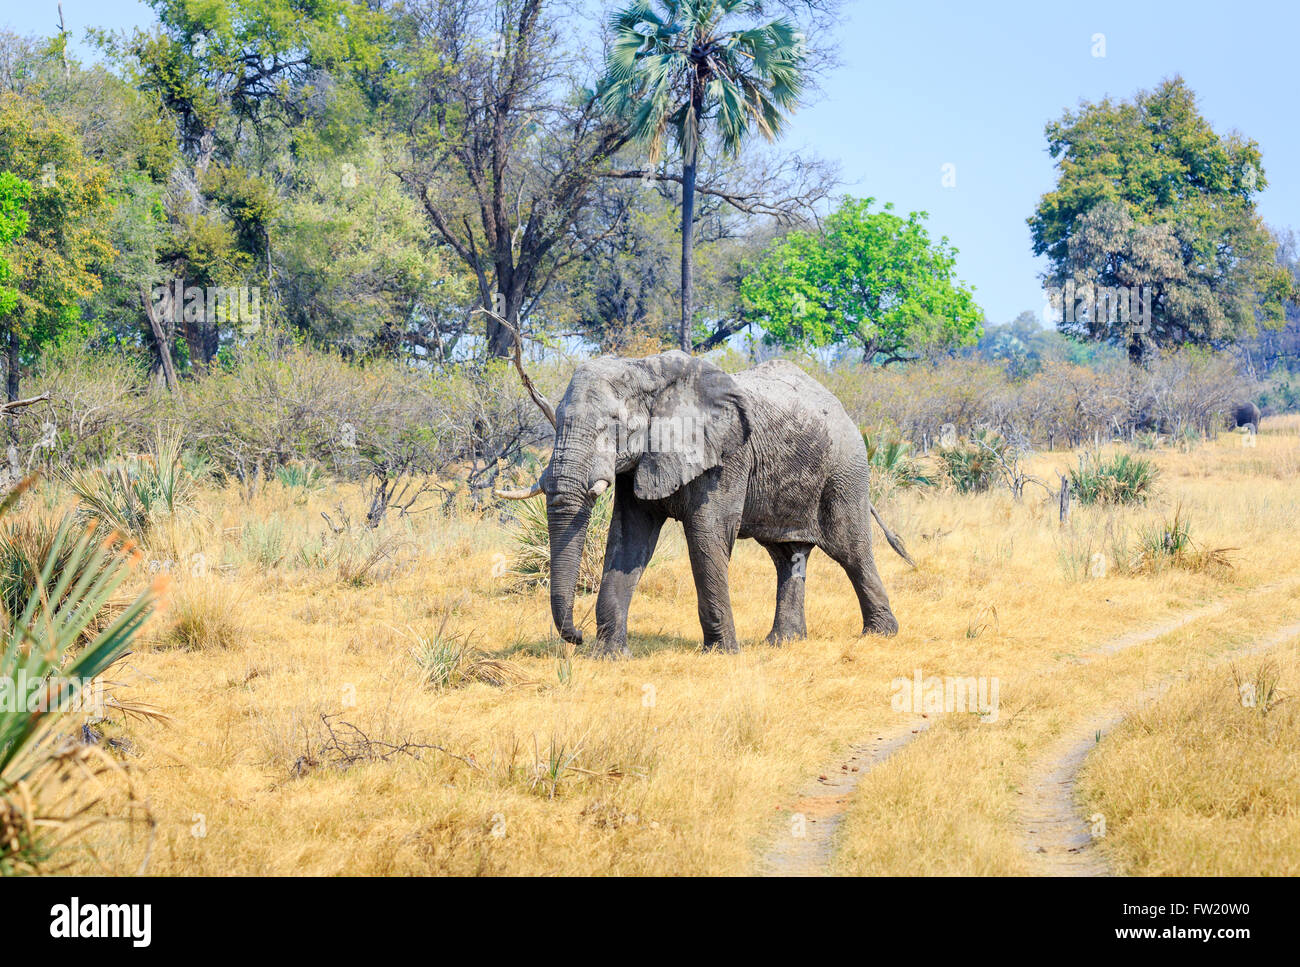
581	458
568	532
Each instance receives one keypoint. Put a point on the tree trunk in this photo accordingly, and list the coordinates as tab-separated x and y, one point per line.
161	342
688	243
11	380
500	340
12	375
1136	349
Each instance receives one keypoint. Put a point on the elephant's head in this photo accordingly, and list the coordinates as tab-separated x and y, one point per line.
665	420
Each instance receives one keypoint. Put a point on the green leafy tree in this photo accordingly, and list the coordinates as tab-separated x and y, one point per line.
1148	195
14	193
52	264
358	267
264	63
249	85
872	279
123	129
689	65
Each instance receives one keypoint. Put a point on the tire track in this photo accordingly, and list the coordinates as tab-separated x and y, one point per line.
805	849
1056	834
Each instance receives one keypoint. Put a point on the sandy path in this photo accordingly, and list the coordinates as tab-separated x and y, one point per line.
1058	837
804	848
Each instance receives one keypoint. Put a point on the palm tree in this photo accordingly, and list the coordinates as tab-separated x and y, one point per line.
676	64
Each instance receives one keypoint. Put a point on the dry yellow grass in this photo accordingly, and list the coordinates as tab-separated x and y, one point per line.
1207	781
675	761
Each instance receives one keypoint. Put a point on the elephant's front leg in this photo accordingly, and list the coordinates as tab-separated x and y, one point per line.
633	533
710	542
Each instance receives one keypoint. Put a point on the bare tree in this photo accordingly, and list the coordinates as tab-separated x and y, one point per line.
505	144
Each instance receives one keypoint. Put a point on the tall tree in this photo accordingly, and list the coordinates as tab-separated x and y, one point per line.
357	266
505	143
52	264
121	129
623	294
674	70
247	84
871	279
1149	196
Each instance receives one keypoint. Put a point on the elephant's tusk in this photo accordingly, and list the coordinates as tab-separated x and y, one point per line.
519	494
598	488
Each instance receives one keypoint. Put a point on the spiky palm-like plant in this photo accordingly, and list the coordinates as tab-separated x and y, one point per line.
676	65
48	661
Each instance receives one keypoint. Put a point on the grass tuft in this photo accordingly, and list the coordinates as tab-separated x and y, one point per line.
1119	479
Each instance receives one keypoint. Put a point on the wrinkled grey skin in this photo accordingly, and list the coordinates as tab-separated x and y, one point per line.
1246	414
776	459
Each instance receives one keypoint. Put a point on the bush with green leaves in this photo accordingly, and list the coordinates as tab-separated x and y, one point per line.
1119	479
892	466
301	475
972	466
26	544
130	495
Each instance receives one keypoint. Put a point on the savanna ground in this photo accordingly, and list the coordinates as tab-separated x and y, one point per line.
280	638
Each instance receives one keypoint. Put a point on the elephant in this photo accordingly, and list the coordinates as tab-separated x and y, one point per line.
768	454
1246	414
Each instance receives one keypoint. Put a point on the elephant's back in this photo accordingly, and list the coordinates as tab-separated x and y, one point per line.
805	446
1247	413
786	388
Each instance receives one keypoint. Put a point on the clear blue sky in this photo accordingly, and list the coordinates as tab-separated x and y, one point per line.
934	82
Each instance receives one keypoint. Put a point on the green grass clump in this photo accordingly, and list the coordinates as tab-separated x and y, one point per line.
1120	479
972	466
531	559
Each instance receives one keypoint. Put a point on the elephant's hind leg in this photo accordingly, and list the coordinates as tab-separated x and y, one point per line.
791	562
847	539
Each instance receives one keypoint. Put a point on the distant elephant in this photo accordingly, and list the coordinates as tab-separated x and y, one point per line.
1246	414
767	454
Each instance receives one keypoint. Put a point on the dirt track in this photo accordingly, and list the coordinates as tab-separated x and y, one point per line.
1059	839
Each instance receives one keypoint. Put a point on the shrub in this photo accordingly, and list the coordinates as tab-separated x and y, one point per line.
972	466
892	466
1120	479
301	475
25	547
101	404
130	495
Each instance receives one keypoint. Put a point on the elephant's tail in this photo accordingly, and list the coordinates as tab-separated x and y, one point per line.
894	540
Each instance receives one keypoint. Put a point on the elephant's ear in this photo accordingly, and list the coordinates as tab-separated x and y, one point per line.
696	420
